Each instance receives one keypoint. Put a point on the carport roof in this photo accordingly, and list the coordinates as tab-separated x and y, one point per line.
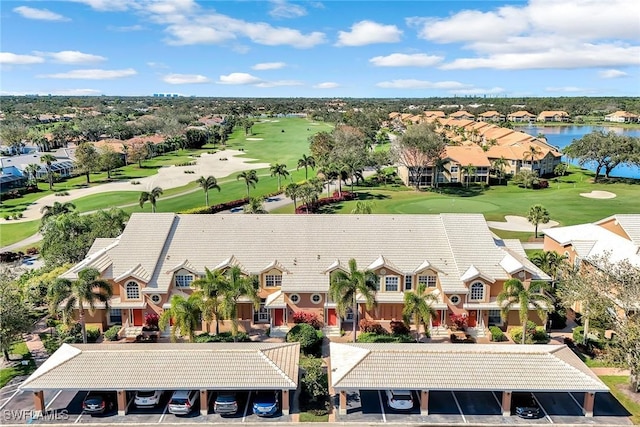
478	367
179	366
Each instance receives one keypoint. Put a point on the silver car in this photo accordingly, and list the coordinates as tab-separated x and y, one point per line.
182	402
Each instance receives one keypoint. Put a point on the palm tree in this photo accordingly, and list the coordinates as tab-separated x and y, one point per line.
515	293
306	162
346	286
250	179
207	184
280	171
237	285
469	170
87	290
185	315
363	207
49	159
538	214
549	261
417	307
532	153
255	206
292	191
57	209
32	172
438	165
151	197
498	165
211	288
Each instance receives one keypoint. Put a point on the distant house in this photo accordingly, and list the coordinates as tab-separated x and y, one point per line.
462	115
553	116
490	116
434	114
14	168
521	116
457	157
622	117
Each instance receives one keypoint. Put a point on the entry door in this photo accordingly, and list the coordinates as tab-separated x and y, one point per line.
136	318
332	317
278	317
473	319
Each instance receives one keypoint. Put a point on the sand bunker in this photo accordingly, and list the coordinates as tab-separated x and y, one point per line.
598	194
519	223
254	139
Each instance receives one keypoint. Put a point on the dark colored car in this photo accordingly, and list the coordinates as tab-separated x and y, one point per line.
98	402
265	404
526	406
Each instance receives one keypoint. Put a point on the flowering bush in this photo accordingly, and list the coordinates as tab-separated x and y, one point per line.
151	320
308	318
335	198
458	321
367	325
399	328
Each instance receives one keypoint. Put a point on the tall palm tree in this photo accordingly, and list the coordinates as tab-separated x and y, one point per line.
538	214
211	288
151	197
185	315
292	191
438	165
532	153
57	209
250	179
515	293
346	286
418	307
550	262
49	159
280	171
306	162
469	170
255	206
498	165
237	285
32	172
207	184
65	295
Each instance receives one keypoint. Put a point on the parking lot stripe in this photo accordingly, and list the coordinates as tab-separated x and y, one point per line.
246	407
459	408
163	413
577	403
9	398
384	416
497	400
52	399
542	407
81	413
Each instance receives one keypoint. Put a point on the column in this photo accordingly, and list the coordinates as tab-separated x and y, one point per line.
343	403
285	402
589	399
204	402
506	403
38	401
424	402
122	402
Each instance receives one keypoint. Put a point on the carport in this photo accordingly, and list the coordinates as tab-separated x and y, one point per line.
459	367
177	366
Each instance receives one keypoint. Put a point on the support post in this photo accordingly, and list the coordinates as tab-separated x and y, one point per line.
343	403
122	402
589	399
506	403
285	402
424	402
38	401
204	402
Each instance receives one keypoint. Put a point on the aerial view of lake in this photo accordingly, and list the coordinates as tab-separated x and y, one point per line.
561	136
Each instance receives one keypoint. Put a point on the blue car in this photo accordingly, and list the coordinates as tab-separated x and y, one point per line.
265	404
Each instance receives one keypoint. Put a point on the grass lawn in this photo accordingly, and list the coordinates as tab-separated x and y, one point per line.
12	233
7	374
307	417
614	382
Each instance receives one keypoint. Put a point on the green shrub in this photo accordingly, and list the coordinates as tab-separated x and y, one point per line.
52	323
7	217
93	334
538	335
372	337
315	385
496	334
221	337
307	336
111	334
578	333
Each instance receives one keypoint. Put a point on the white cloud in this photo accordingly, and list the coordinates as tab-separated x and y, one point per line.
76	92
269	66
107	5
239	79
95	74
282	9
368	32
478	91
39	14
326	85
421	84
72	57
406	60
9	58
566	89
180	79
197	34
612	74
125	29
279	83
157	65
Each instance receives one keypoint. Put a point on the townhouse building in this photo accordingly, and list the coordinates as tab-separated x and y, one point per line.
622	117
553	116
521	116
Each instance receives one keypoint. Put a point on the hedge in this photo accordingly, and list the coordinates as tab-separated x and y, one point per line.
224	206
372	337
496	334
221	337
308	337
111	334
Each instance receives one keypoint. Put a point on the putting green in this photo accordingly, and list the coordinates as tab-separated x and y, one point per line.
433	205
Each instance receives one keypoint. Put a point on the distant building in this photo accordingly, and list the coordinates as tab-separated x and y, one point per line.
553	116
165	95
622	117
521	116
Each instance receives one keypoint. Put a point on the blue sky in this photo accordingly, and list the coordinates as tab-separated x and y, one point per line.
321	48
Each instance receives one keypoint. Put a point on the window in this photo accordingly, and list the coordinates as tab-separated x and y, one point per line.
408	283
115	316
391	283
133	290
316	298
155	298
262	315
272	280
349	315
430	281
183	280
295	298
494	317
454	169
477	291
455	299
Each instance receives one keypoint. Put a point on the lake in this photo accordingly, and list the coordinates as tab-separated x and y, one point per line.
561	136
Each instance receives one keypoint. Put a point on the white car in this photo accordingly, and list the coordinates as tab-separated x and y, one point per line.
400	400
182	402
147	398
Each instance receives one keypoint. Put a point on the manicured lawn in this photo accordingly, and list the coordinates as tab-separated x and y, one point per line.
307	417
12	233
7	374
613	382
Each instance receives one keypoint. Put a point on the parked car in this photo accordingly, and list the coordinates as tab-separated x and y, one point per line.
98	402
265	404
225	404
147	398
400	400
526	405
182	401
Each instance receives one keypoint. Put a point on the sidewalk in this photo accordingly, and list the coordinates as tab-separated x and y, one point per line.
34	344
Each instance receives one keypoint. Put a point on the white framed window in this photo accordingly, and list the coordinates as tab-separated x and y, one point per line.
295	298
408	283
428	280
494	317
183	280
348	315
133	290
155	298
455	299
454	169
115	316
273	280
477	291
391	283
316	298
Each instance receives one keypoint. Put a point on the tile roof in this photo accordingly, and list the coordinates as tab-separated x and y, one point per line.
630	223
457	367
213	366
465	155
